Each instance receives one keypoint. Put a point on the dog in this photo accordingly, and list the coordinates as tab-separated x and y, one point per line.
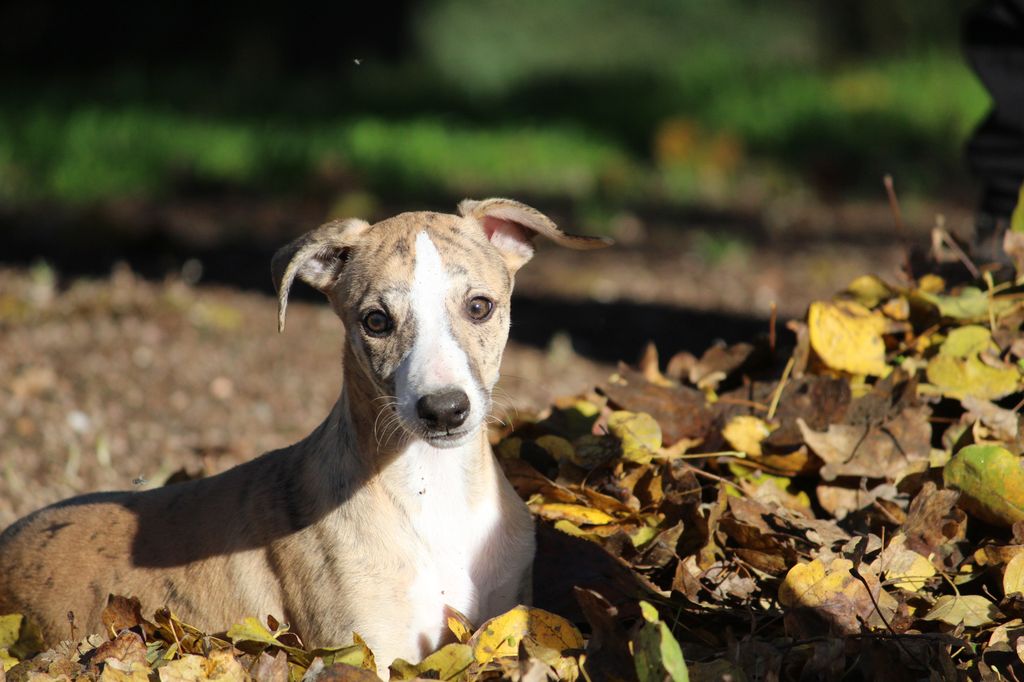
389	514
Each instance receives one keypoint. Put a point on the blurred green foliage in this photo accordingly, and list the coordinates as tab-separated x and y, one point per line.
660	101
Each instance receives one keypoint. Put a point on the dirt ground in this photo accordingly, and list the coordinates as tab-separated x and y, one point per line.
115	381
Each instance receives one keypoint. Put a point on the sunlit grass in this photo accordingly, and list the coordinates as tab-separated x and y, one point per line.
910	116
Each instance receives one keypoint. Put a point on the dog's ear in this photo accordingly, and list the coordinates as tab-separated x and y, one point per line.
511	227
317	258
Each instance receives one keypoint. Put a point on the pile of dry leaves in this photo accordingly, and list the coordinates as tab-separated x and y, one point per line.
847	506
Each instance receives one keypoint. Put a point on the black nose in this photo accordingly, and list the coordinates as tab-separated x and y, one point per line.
444	410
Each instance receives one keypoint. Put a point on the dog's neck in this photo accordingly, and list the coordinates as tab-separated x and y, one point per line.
362	447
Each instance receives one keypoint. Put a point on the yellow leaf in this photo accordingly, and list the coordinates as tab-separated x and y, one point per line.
1013	575
869	290
970	609
958	371
6	660
931	283
848	337
572	529
639	432
458	624
10	627
840	597
446	663
809	584
903	567
136	672
220	666
558	448
509	448
500	636
20	639
576	513
745	433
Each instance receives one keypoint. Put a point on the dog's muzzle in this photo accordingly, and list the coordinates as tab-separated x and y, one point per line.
443	411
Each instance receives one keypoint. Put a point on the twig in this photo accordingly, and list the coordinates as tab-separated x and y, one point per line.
778	390
897	216
957	251
771	327
855	572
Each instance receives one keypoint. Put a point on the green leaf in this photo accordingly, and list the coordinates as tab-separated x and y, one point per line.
252	630
656	653
991	482
958	371
1017	219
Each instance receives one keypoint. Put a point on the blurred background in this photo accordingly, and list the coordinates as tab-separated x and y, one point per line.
166	132
154	155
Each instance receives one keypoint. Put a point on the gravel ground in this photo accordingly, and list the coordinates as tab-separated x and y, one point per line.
115	382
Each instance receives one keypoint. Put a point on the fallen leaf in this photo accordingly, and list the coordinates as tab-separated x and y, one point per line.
935	526
121	613
219	666
745	433
574	513
991	482
639	433
681	412
970	609
869	290
447	663
559	448
656	653
958	370
848	337
904	568
458	624
1013	575
500	636
834	593
344	672
122	651
271	668
892	450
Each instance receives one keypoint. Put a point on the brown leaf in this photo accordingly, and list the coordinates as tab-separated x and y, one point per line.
839	501
271	668
591	568
124	650
935	525
342	672
682	412
608	656
527	482
899	447
121	613
718	362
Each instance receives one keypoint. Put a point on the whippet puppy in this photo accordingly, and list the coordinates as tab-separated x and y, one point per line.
392	511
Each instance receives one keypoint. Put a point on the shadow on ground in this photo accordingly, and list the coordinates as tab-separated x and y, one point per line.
601	331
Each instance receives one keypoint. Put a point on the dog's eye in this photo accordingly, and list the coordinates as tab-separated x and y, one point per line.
377	323
479	308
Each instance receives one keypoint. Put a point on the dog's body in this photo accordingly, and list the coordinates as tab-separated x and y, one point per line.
389	513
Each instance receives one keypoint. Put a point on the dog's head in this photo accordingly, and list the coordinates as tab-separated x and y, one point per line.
425	302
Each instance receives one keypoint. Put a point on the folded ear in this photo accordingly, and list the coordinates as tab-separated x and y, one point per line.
317	258
511	227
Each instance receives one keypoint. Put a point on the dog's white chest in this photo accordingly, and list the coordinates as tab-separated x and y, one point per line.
455	553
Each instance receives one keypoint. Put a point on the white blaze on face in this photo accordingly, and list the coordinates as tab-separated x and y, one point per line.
436	361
